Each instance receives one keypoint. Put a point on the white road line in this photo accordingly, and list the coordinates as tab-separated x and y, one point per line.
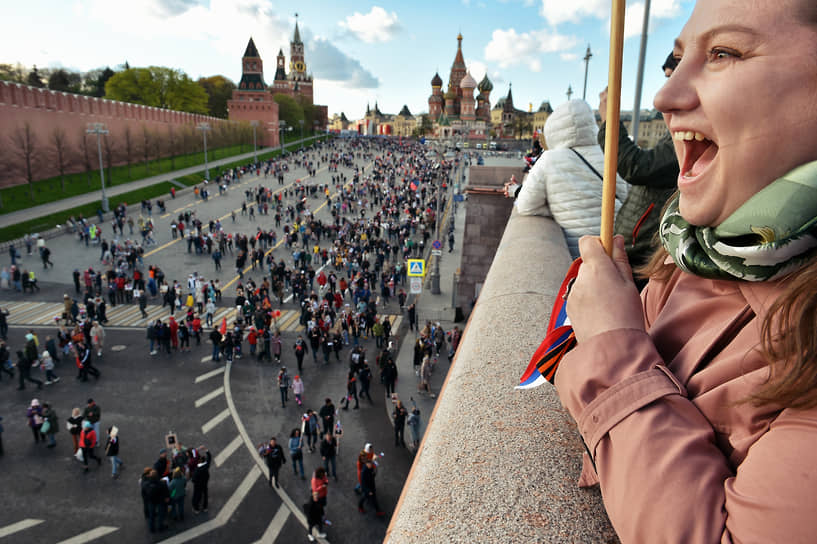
208	397
259	463
19	526
208	375
88	536
224	514
205	359
207	427
225	454
275	526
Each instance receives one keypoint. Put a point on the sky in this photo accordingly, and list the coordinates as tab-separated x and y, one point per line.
358	52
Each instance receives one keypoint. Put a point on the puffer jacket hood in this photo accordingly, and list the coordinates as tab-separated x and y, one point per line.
572	124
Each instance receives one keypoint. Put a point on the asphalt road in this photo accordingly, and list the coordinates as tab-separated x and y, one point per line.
47	498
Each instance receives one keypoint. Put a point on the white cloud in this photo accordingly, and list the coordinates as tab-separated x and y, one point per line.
559	11
507	48
569	56
330	63
377	26
634	17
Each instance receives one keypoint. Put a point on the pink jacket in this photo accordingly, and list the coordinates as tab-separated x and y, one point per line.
678	456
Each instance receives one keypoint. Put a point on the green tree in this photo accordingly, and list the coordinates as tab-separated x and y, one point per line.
94	81
219	90
13	72
289	110
159	87
34	78
63	80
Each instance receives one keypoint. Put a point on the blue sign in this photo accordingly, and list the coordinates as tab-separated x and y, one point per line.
437	244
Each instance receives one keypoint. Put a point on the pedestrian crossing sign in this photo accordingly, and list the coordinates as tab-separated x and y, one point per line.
416	267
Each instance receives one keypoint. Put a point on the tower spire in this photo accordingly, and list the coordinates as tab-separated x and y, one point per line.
296	38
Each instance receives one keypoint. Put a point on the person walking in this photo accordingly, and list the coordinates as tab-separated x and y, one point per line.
368	489
351	390
296	452
112	451
34	413
399	415
215	338
414	422
48	365
74	426
50	425
311	428
298	389
327	413
98	338
201	478
159	495
283	385
24	372
314	516
93	413
320	485
273	454
329	451
87	439
84	362
177	489
364	378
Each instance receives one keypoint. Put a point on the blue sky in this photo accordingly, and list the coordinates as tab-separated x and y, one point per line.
357	51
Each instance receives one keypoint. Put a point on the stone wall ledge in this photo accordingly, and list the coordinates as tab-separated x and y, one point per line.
496	464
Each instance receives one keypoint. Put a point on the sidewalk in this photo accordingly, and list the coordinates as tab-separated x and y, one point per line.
435	308
57	206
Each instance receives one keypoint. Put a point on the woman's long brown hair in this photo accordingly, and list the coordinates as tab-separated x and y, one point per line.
788	339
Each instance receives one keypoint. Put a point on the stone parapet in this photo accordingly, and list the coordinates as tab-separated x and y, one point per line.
496	464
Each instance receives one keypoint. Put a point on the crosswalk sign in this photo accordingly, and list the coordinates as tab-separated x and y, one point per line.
416	267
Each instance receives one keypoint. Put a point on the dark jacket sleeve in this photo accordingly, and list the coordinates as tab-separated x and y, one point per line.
655	167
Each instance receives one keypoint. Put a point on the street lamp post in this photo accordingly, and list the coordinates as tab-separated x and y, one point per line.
254	149
587	57
99	129
281	126
301	122
205	128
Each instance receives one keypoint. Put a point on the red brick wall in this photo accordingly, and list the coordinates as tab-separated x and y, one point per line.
47	111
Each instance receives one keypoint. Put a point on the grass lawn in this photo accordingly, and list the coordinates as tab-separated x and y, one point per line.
132	198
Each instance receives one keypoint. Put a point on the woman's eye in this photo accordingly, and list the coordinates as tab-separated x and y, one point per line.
722	54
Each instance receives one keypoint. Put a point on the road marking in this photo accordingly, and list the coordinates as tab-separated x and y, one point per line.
19	526
205	359
259	463
224	514
290	318
208	375
208	397
207	427
160	248
275	526
88	536
225	454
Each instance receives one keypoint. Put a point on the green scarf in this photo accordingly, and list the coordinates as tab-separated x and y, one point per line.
772	234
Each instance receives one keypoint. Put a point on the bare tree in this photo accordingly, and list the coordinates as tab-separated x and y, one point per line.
147	143
86	154
24	144
129	147
61	153
172	145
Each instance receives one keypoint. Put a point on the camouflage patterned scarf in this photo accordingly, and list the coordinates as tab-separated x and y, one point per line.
772	234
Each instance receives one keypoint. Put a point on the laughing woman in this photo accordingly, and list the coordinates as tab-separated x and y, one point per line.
698	400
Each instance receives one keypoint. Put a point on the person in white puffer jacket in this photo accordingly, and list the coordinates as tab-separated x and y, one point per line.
561	184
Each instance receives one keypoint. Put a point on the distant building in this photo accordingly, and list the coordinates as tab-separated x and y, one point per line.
298	83
251	100
338	122
651	126
457	111
509	122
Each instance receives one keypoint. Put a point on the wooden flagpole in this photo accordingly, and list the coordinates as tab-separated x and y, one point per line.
608	200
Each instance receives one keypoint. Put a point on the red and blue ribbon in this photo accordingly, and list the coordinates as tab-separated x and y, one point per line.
558	341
